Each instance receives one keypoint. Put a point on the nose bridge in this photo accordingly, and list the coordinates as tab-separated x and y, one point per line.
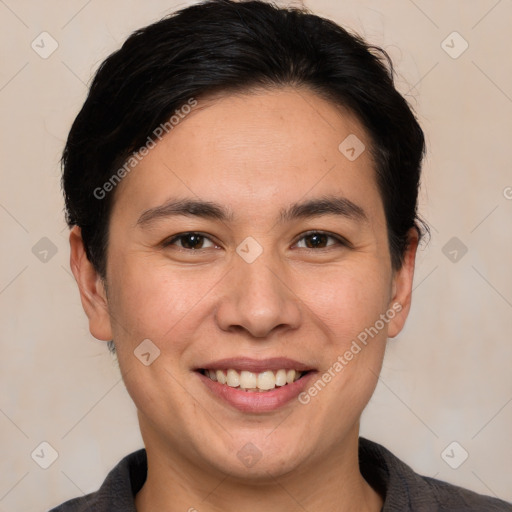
261	288
257	299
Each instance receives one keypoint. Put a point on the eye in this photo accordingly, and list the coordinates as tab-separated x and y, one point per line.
320	240
190	241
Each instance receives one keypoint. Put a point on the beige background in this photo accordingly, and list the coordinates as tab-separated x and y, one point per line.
446	378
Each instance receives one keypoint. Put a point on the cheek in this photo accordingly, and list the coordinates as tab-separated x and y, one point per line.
156	302
346	300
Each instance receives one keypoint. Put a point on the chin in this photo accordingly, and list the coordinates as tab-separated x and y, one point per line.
258	457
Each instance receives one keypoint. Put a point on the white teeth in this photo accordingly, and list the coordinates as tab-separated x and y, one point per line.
254	382
280	377
290	376
266	380
233	379
248	380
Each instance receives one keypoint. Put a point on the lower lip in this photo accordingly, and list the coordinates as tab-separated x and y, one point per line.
256	401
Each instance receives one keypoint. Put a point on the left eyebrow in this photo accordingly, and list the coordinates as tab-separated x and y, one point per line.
330	205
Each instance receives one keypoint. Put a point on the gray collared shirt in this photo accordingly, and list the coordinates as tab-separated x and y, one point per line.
403	489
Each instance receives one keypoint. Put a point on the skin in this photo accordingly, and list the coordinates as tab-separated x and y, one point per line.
255	154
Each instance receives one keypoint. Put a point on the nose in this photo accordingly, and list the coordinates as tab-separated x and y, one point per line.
258	300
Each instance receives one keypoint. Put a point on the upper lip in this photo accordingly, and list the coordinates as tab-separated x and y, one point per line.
256	365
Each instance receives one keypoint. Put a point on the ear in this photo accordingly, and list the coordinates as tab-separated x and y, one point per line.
91	286
402	286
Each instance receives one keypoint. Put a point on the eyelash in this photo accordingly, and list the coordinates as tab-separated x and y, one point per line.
339	239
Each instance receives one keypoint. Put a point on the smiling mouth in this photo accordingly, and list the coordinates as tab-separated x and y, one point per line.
254	382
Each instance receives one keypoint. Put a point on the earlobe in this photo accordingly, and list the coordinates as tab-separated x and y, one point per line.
91	287
402	286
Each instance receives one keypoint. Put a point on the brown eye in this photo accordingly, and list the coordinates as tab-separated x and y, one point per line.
192	241
320	240
316	240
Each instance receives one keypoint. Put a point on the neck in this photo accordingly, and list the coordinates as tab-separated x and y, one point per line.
333	483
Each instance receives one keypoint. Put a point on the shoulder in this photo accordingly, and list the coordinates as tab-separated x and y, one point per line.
117	491
457	499
404	490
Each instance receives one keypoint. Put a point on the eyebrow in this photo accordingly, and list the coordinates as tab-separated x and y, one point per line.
329	205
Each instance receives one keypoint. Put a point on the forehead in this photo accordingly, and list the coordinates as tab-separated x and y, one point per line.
257	149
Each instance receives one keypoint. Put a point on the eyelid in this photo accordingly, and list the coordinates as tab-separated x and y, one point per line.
340	239
170	240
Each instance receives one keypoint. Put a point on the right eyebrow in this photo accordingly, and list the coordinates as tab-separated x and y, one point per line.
186	207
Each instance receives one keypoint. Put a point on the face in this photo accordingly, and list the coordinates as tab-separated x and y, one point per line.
247	241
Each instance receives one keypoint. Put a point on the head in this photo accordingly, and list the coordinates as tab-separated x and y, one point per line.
242	182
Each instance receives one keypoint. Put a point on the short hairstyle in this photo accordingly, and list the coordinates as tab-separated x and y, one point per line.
224	46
